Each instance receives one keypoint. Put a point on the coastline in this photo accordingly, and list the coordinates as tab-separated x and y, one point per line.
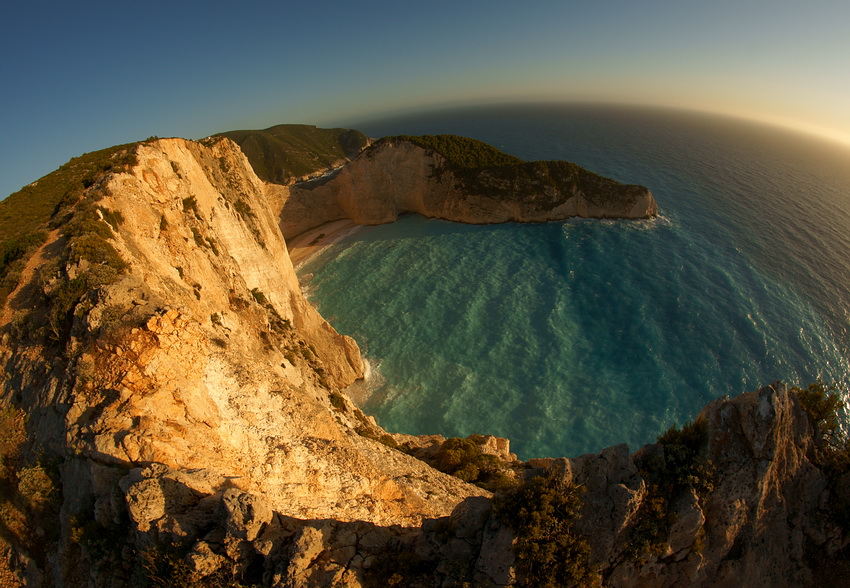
313	241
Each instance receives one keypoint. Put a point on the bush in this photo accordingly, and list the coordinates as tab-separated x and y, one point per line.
464	459
30	490
822	403
258	296
542	513
685	465
190	204
461	151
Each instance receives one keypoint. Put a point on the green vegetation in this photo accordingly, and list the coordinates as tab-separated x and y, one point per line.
27	215
283	153
398	565
685	464
484	170
99	265
823	404
259	297
682	467
190	204
464	459
159	565
542	513
338	402
461	151
30	489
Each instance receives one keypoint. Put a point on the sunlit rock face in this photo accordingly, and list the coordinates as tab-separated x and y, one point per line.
204	361
393	177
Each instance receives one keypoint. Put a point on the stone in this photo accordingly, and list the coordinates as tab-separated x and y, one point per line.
393	177
245	514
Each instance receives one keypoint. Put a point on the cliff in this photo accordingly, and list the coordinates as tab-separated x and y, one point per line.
174	411
398	175
283	154
162	327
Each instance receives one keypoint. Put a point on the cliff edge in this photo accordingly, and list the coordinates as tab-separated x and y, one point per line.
426	176
158	339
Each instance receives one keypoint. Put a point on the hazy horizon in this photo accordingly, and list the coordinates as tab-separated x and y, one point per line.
87	76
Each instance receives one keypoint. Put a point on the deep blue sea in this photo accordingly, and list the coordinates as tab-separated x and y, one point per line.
570	337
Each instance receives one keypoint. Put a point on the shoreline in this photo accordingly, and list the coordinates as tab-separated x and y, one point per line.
311	242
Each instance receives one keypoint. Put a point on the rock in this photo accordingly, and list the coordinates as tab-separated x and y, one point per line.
203	561
613	493
689	521
495	563
246	514
393	177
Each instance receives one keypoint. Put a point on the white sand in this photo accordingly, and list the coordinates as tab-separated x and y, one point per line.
309	243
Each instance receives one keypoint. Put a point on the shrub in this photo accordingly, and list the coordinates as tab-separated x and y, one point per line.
11	440
258	296
464	459
461	151
190	204
648	535
684	463
684	466
113	217
822	404
542	513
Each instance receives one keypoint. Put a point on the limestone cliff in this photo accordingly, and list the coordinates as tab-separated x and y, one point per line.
394	176
186	421
194	351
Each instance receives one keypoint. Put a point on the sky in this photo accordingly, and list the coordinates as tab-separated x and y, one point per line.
76	76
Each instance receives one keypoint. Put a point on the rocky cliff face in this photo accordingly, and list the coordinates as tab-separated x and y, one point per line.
767	517
186	416
203	360
394	177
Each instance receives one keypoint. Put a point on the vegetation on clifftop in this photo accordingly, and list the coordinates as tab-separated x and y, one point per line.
283	153
482	169
27	215
542	513
823	404
460	151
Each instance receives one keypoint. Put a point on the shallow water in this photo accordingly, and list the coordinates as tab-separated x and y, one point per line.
569	337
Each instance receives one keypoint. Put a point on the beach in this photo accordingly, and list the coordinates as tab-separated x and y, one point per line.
304	246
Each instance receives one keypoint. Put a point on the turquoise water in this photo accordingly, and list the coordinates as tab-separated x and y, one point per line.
569	337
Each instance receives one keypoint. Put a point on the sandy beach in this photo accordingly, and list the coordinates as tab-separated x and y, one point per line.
304	246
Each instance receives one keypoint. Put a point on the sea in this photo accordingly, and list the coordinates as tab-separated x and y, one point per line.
569	337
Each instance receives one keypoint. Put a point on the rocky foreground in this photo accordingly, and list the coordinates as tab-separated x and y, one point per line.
175	412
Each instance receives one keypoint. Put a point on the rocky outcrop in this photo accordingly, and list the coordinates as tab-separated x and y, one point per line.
768	511
202	358
394	176
765	521
186	414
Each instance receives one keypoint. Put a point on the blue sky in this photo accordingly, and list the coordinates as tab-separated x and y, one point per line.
79	76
